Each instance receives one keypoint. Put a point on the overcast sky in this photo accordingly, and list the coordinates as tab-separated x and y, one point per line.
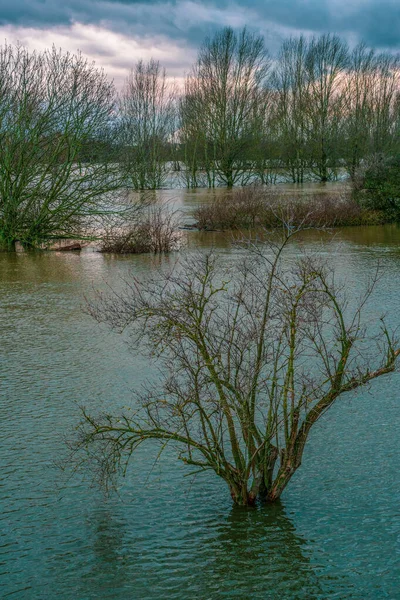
116	33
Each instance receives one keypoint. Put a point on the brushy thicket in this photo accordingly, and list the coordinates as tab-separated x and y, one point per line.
257	207
153	230
377	186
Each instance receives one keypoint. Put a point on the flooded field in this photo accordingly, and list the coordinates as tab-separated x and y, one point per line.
336	532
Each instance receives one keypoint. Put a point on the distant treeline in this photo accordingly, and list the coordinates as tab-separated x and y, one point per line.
315	111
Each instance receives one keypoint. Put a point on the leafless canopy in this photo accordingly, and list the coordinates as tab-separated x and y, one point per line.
221	112
56	111
252	356
147	115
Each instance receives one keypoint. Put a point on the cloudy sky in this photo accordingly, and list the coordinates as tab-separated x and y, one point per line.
116	33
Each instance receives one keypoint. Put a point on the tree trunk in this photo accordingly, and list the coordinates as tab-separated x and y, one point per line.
241	496
229	178
285	473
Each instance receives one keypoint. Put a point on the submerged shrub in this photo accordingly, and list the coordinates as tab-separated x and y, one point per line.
251	207
153	230
238	208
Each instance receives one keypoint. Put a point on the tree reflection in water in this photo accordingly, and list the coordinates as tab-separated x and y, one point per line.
252	553
257	554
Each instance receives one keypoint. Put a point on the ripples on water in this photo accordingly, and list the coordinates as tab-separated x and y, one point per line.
335	534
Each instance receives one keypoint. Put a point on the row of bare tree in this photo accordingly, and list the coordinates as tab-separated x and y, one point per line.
316	111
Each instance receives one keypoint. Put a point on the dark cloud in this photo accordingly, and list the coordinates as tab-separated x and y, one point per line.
115	33
380	24
375	21
42	13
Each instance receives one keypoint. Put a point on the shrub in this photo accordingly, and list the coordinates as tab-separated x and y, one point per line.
152	230
238	208
378	186
251	207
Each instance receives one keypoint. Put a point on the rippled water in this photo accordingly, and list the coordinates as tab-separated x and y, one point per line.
336	533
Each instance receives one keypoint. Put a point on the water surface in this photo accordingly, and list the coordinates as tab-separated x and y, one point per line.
335	534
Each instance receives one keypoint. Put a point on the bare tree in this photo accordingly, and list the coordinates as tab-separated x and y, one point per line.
56	113
199	170
147	112
358	108
327	60
225	93
150	227
370	108
292	84
252	356
322	109
385	95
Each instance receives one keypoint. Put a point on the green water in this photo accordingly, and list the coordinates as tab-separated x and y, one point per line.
336	533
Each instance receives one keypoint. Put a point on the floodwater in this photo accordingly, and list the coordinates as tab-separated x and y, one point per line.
335	534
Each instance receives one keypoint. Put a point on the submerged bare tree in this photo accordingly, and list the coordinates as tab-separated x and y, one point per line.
56	113
252	356
327	60
223	107
147	113
385	96
150	227
291	82
357	108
